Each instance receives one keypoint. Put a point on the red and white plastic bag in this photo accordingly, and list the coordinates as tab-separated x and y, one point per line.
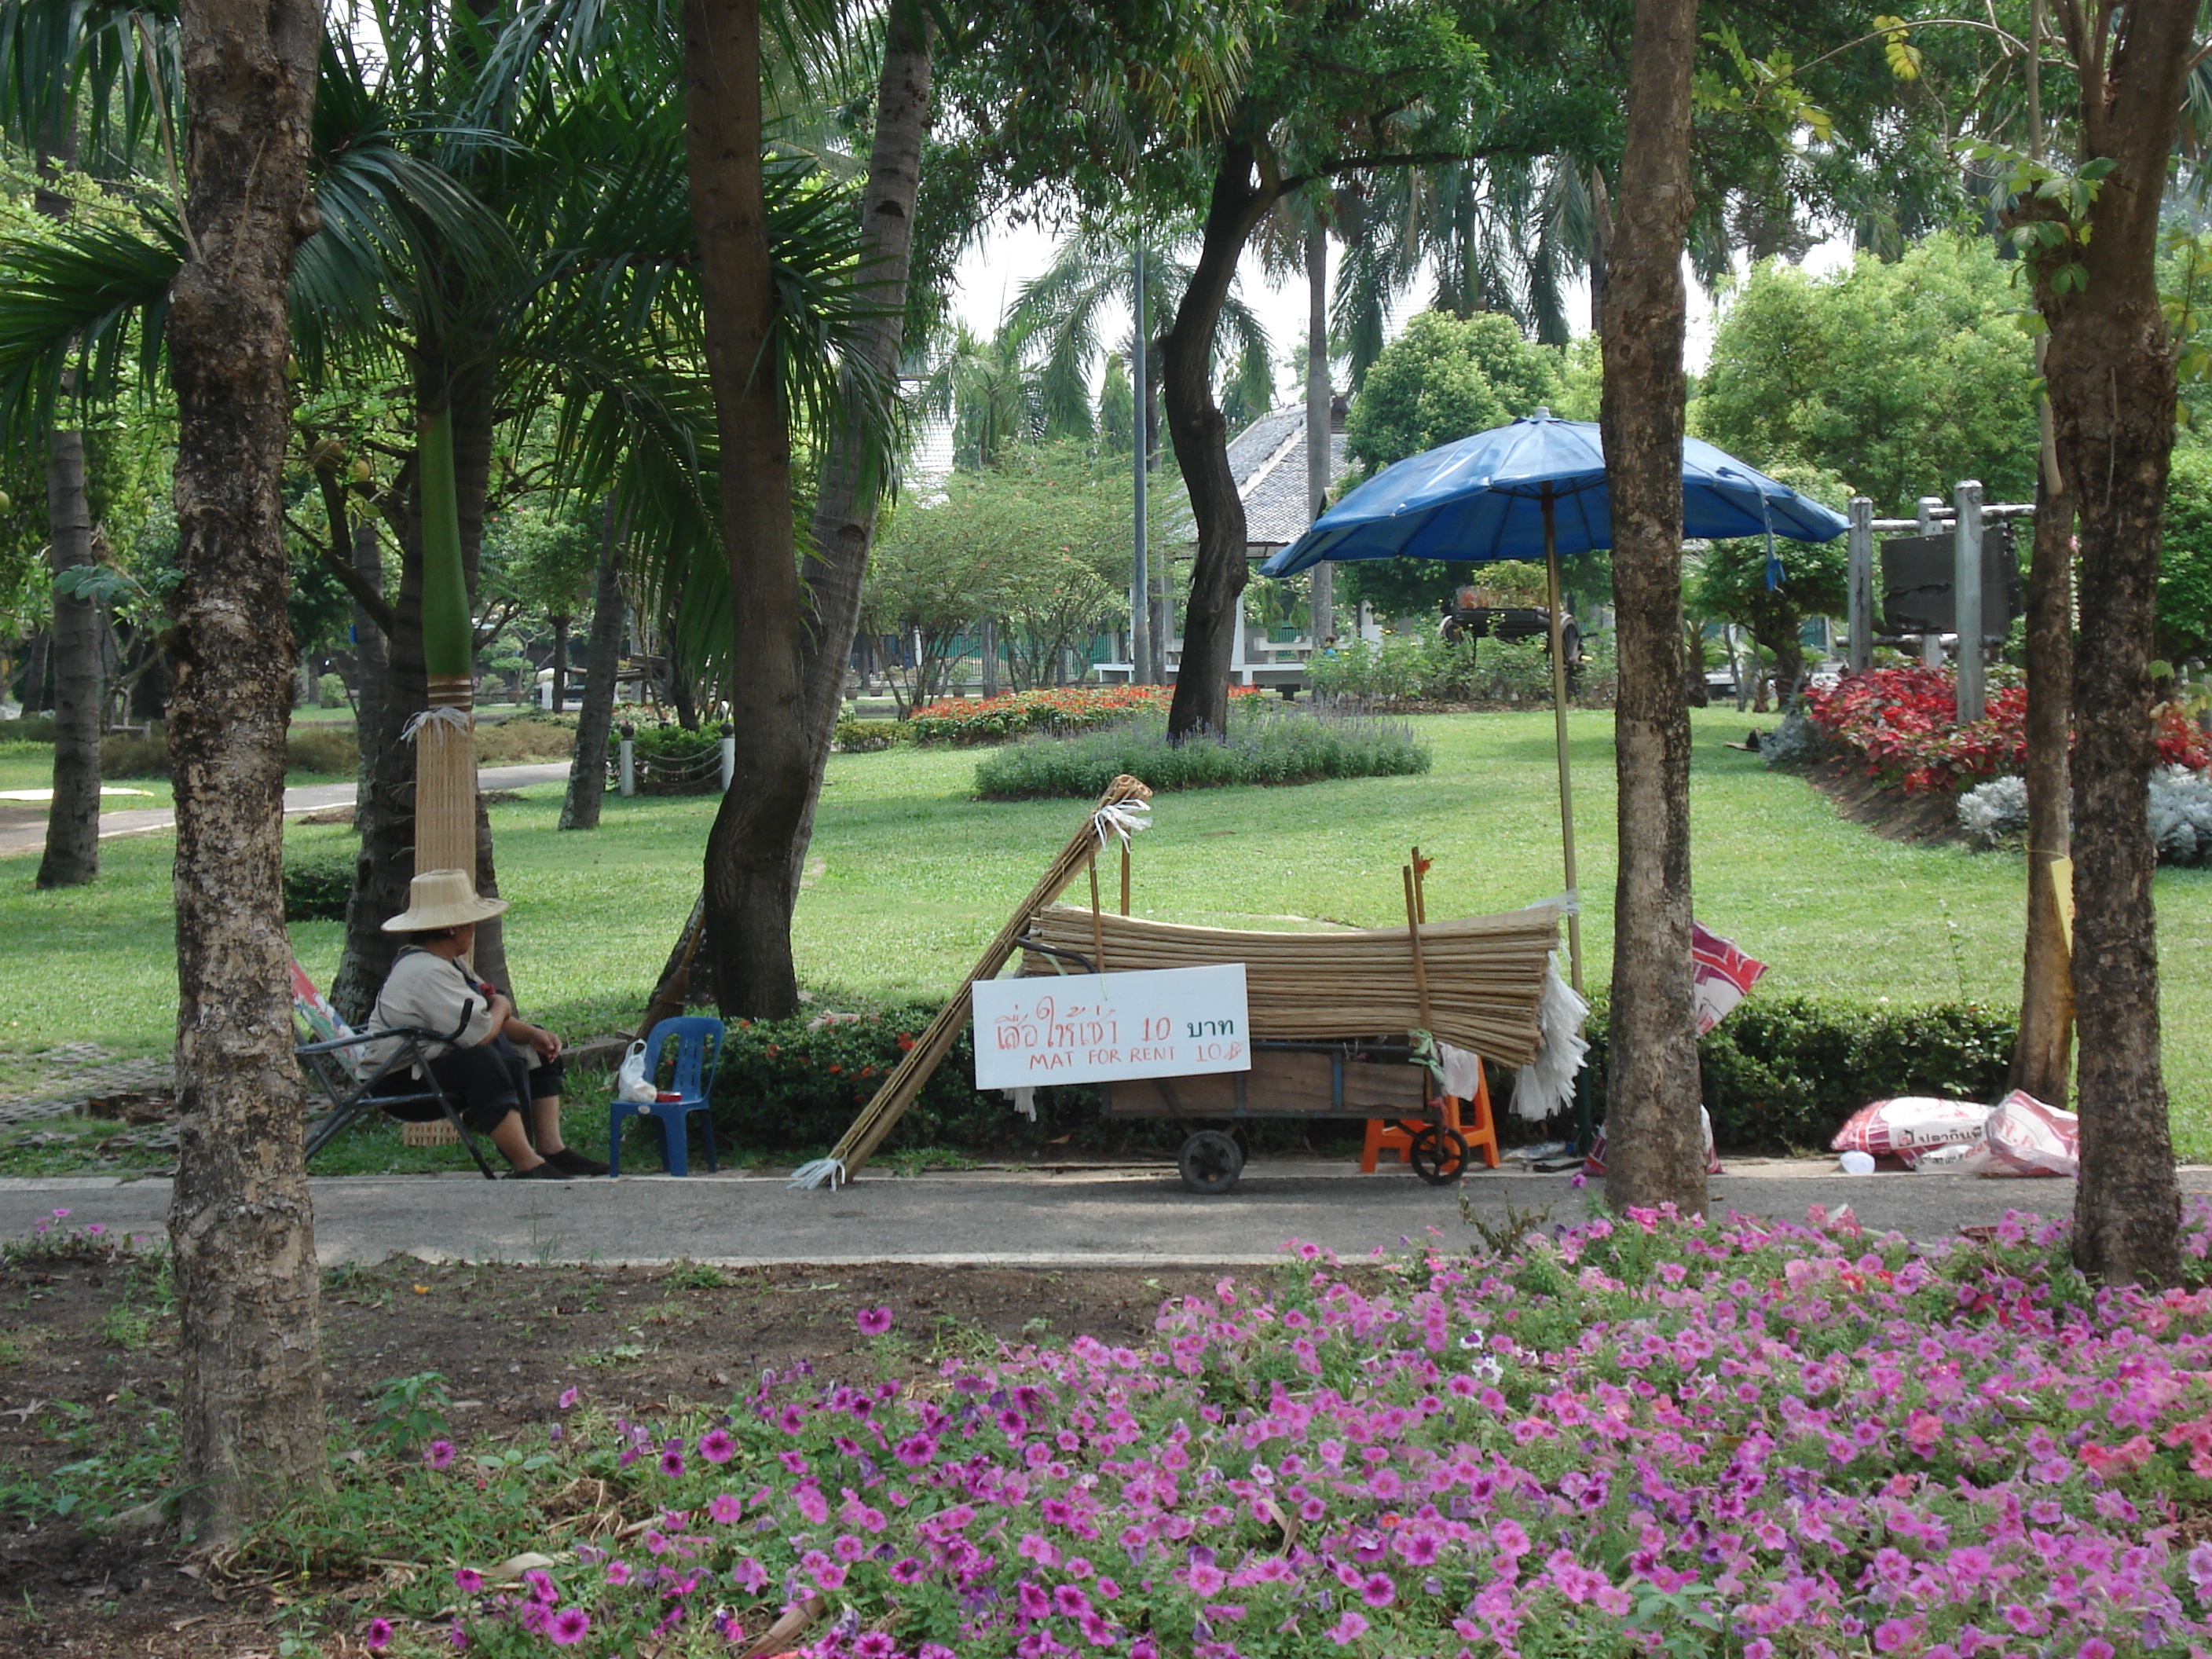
1912	1126
2027	1138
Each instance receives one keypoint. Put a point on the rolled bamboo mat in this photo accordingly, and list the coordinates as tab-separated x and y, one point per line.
878	1116
1486	974
445	780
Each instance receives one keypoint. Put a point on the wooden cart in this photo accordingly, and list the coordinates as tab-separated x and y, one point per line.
1357	1081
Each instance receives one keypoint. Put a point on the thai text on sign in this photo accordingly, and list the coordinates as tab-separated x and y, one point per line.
1100	1028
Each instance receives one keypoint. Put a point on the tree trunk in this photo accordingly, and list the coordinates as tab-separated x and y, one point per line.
372	660
1654	1144
241	1228
2042	1060
72	853
34	674
846	499
2110	370
1601	240
560	625
72	856
1322	599
587	769
748	867
1201	436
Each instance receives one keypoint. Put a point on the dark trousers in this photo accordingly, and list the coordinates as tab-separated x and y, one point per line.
486	1083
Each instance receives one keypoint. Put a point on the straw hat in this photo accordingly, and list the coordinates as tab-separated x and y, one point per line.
442	898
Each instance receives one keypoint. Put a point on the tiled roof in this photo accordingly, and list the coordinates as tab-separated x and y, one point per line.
1269	461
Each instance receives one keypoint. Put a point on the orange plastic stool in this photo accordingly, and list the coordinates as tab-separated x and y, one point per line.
1476	1125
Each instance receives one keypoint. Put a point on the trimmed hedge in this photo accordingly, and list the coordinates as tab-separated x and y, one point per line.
317	889
1270	744
1783	1073
1780	1075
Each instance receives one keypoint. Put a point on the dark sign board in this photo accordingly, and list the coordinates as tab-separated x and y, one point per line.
1918	573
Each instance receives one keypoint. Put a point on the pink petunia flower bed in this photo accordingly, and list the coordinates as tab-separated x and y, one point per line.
1638	1435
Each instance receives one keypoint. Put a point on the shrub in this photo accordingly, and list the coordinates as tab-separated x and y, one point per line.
28	728
1782	1074
127	755
670	760
317	888
1902	724
2181	815
1994	814
331	691
1053	708
331	750
2179	806
1412	667
855	737
783	1085
537	735
1265	744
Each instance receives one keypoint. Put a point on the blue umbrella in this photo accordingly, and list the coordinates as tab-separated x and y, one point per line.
1537	486
1533	489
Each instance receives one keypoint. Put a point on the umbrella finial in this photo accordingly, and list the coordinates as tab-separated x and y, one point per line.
1543	413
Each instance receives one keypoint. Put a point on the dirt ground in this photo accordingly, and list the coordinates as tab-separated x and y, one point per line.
86	1346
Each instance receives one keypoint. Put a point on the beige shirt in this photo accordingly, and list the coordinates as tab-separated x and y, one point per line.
432	994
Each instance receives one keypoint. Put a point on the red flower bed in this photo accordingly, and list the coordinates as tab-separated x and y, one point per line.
1904	724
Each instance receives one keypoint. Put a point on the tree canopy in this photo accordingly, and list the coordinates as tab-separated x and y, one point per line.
1900	377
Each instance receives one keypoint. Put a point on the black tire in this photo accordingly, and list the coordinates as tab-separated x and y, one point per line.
1438	1155
1211	1162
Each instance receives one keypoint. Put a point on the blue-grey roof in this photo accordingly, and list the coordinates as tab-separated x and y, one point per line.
1269	461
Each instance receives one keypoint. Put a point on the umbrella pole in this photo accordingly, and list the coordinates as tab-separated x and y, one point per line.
1559	725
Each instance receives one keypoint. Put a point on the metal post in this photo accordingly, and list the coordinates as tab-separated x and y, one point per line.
629	758
1560	730
1966	598
1861	601
729	756
1144	657
1932	645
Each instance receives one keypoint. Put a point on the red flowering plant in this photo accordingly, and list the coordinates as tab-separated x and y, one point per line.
1904	724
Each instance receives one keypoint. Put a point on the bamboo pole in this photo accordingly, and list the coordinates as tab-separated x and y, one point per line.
878	1118
444	733
1413	933
1559	728
1125	878
1097	922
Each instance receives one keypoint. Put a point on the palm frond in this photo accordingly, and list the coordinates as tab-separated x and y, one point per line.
83	306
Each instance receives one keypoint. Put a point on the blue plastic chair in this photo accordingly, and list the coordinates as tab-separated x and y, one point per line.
698	1041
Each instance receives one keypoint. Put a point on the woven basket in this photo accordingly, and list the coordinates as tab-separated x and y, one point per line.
435	1133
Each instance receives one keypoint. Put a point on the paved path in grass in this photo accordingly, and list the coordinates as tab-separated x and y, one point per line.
1090	1217
23	827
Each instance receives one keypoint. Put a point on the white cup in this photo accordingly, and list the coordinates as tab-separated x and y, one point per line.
1856	1163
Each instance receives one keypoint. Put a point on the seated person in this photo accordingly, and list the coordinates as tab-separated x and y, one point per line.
498	1065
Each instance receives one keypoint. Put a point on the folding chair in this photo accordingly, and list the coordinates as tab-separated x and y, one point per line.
333	1058
698	1040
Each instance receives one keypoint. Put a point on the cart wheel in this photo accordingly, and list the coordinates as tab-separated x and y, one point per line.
1438	1155
1211	1161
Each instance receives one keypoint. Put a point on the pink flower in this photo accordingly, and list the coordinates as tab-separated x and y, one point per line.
1379	1591
569	1398
1348	1629
724	1508
716	1446
569	1627
672	1463
873	1322
467	1580
907	1570
378	1635
617	1573
440	1455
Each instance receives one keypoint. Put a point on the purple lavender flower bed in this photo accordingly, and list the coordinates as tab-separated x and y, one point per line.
1633	1435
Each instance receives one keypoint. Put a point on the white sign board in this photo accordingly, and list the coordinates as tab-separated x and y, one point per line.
1101	1028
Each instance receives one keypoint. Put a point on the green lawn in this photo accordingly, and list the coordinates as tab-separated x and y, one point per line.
913	878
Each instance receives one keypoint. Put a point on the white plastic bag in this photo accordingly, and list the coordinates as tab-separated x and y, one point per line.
631	1084
2027	1138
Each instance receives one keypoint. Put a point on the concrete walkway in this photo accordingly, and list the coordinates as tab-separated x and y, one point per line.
1089	1217
24	831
